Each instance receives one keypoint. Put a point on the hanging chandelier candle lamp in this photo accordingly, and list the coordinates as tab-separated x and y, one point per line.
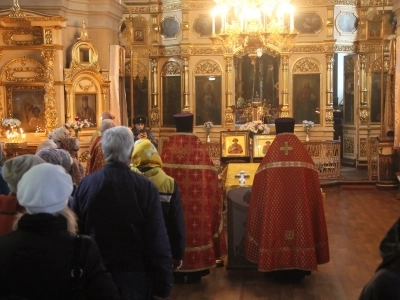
253	24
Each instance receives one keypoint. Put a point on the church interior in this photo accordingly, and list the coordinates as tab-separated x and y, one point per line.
331	65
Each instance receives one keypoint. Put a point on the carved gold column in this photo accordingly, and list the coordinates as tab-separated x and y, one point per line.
186	105
363	89
155	114
185	6
228	91
50	111
284	87
329	90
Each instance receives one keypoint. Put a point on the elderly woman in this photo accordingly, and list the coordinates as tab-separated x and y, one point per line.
13	170
43	258
71	144
146	159
96	158
58	134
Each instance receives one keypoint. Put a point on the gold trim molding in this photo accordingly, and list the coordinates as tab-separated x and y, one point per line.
19	36
25	70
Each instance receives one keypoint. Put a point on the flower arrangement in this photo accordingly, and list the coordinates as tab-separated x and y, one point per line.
255	127
208	125
11	123
77	125
307	126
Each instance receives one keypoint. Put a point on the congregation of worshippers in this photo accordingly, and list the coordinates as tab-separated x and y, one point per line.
132	223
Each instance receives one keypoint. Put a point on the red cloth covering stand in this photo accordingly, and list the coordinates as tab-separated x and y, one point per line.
286	226
187	160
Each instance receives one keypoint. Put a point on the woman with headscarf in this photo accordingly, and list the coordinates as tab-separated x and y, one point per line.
71	144
146	159
13	170
43	258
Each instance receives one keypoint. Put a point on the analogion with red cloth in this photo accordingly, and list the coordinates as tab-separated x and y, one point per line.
188	162
286	226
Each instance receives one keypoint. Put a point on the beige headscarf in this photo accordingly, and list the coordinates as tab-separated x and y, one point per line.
145	154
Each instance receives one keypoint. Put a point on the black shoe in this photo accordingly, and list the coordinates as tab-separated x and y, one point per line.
219	263
290	276
193	279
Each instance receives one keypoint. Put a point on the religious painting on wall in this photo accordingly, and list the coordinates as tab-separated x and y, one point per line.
26	103
306	97
202	26
308	23
348	109
261	144
85	108
347	22
235	144
376	96
171	104
374	30
208	99
257	83
170	27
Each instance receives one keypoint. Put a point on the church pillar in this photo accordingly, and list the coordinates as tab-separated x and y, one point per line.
363	90
228	91
284	86
155	114
186	105
329	90
50	112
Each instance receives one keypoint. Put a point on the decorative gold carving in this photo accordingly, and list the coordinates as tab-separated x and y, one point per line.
207	67
207	51
171	68
84	34
349	66
48	33
346	2
308	48
86	87
171	7
19	36
139	10
155	115
17	13
24	69
328	115
228	116
307	65
348	145
50	112
363	115
139	70
363	147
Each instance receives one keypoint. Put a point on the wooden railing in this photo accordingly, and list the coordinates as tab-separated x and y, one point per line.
325	154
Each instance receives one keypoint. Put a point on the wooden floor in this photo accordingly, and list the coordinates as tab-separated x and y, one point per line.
357	218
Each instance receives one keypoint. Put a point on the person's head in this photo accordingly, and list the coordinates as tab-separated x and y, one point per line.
235	140
267	143
145	154
139	122
117	144
45	144
284	125
107	115
16	167
72	145
66	159
184	122
58	134
85	101
36	111
45	188
106	124
50	155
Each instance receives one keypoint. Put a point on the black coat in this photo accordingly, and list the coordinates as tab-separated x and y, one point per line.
121	210
36	262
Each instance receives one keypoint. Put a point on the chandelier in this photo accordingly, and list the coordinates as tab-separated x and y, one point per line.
247	25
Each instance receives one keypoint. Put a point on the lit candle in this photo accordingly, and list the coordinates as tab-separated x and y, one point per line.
213	20
291	18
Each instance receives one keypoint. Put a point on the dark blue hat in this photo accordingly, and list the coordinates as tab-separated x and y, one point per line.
284	125
184	122
139	120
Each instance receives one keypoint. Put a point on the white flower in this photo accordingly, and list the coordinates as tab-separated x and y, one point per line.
11	123
255	127
307	125
208	125
78	125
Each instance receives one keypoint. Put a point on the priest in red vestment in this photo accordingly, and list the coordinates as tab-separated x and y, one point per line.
286	229
189	163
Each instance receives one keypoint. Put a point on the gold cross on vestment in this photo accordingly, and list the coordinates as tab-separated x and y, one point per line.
286	148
